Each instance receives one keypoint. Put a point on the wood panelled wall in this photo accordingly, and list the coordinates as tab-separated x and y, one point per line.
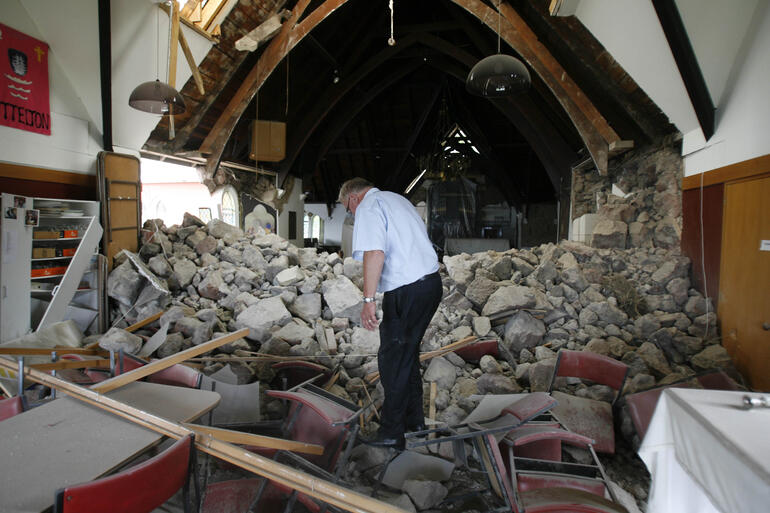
710	188
46	183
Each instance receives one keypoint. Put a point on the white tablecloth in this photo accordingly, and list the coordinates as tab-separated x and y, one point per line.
705	454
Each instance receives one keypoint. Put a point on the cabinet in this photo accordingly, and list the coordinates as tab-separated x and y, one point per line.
50	268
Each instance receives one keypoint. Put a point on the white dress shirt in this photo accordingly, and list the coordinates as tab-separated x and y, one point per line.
388	222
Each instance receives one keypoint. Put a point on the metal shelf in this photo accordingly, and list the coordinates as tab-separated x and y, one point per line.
56	240
52	258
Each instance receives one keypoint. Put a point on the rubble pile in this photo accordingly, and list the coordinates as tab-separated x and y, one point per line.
635	305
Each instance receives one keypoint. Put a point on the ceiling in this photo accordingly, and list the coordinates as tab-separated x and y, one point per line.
355	106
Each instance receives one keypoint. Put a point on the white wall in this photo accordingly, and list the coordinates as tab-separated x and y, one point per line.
743	117
71	29
294	204
75	133
731	43
332	224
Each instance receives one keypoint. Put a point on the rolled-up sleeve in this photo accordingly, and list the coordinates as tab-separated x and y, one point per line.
370	230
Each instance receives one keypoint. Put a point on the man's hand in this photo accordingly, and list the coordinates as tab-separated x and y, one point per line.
369	316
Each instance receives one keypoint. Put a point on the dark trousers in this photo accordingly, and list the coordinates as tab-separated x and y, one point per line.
406	313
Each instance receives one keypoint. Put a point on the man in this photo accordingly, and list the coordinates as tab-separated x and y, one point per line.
399	260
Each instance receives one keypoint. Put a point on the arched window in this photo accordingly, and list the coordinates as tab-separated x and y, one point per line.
229	205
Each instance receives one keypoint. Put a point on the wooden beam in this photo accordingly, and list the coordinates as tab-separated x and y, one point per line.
374	376
687	62
745	169
268	442
173	46
159	365
325	491
145	322
291	33
590	124
38	174
101	363
48	350
196	73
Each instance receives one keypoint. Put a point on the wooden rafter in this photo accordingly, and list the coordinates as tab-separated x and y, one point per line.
594	130
291	33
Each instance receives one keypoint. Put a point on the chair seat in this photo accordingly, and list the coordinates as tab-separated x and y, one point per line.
556	500
587	417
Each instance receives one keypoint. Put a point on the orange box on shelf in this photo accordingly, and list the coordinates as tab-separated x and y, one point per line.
48	271
69	234
68	251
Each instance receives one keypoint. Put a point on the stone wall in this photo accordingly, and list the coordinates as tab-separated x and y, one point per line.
650	215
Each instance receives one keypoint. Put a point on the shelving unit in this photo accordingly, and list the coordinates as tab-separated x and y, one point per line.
75	288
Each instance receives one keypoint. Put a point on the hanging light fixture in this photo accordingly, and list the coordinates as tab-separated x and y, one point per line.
498	75
155	96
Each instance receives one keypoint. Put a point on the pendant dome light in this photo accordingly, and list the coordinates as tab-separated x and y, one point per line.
498	75
155	96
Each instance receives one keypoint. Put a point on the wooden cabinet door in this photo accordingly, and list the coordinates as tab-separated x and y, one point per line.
744	285
119	185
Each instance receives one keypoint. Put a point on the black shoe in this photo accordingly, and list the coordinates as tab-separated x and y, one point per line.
385	442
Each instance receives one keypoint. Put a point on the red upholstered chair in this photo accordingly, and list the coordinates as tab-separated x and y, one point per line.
543	496
582	415
641	405
295	372
177	375
139	489
10	407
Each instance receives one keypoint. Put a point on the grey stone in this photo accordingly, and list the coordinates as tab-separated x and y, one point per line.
213	286
574	278
481	325
260	317
208	259
294	333
184	270
489	365
713	357
609	314
218	228
540	374
543	353
276	265
442	372
364	341
160	266
195	238
546	271
507	298
116	339
523	331
194	329
289	276
479	290
172	345
425	494
697	306
124	284
307	307
609	233
678	288
344	298
502	268
654	359
206	245
252	258
497	384
667	233
232	255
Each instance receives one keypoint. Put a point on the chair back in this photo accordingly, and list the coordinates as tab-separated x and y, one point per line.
593	366
11	407
139	489
317	420
530	406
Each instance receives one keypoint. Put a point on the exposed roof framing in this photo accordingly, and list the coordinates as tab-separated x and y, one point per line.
356	106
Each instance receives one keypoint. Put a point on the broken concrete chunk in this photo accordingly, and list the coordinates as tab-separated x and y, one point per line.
344	298
308	307
442	372
218	228
116	339
259	318
124	283
425	494
507	298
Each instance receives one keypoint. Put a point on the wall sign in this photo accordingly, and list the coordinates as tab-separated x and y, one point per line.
24	101
764	245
